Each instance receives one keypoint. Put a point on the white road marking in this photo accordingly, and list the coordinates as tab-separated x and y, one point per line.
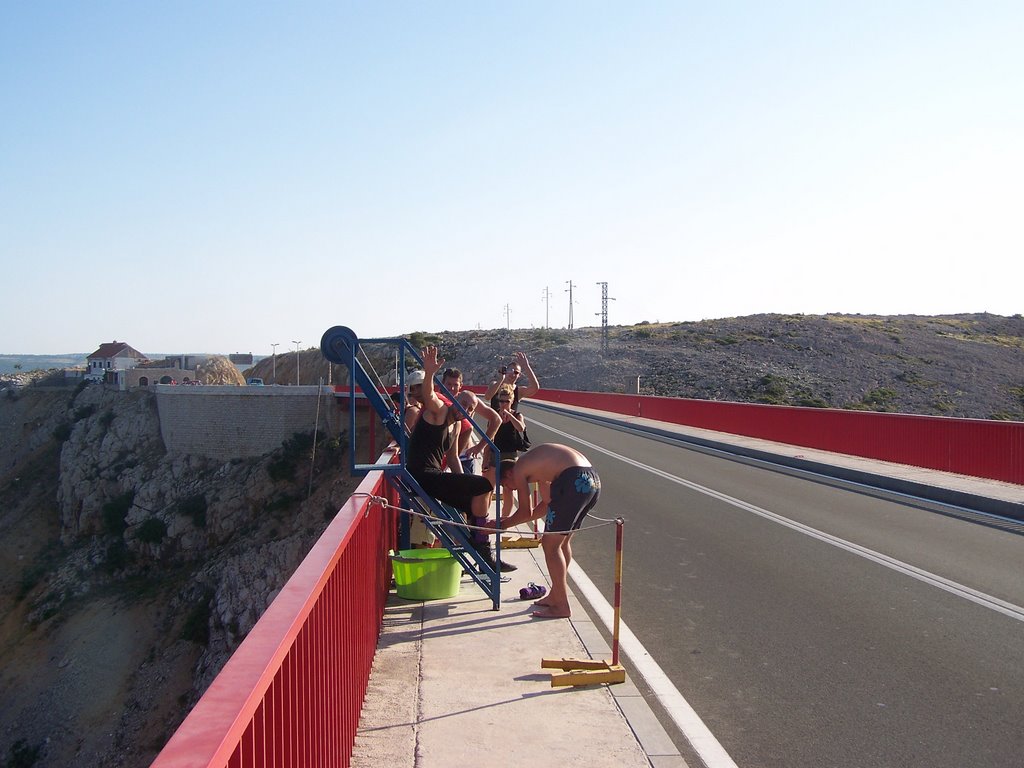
955	588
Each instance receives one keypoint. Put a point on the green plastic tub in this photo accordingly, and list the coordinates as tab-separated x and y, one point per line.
426	574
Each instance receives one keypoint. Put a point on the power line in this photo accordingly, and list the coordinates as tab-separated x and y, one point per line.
604	315
569	291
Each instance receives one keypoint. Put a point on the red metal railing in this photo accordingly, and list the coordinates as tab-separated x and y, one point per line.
292	693
976	447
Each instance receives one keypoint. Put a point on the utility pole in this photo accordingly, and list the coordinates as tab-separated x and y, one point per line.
604	317
569	290
273	350
296	343
546	297
508	317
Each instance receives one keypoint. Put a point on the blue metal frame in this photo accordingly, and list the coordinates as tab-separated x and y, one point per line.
341	345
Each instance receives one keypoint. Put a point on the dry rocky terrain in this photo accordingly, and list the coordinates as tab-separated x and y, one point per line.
967	366
127	575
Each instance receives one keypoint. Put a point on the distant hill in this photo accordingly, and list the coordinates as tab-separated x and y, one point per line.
968	366
26	363
13	363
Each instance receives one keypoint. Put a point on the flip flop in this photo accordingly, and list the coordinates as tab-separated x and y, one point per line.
545	613
532	592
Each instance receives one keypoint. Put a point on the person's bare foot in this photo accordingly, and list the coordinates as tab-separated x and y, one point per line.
542	603
551	612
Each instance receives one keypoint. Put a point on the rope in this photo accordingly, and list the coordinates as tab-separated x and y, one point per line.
377	380
316	432
366	359
384	503
606	519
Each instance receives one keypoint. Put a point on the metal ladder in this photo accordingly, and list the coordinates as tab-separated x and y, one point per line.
341	345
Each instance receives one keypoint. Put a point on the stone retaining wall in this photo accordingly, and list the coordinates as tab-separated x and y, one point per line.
131	379
231	422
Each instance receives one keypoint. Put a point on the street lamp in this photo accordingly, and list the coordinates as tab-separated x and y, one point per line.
296	343
273	349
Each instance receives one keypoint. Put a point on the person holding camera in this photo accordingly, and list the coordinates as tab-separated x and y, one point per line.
510	375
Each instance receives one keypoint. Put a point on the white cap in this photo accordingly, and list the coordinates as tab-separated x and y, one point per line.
414	377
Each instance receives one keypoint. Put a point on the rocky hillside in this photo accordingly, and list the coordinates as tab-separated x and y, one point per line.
128	575
969	366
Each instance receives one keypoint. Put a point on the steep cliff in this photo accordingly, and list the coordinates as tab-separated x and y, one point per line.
131	574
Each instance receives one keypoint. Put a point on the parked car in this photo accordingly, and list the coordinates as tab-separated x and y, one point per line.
254	382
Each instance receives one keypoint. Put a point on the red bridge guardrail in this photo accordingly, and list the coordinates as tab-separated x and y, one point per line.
292	693
976	447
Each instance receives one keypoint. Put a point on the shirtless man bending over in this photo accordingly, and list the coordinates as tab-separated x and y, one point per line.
569	487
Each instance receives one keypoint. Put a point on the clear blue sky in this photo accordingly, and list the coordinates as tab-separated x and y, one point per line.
215	177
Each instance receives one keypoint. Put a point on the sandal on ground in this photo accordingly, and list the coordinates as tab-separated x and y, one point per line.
532	591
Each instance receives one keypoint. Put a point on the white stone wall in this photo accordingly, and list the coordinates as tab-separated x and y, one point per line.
131	377
232	422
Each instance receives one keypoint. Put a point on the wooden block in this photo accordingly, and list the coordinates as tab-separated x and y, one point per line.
520	543
568	664
611	674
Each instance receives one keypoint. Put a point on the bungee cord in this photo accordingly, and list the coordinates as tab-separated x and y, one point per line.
385	504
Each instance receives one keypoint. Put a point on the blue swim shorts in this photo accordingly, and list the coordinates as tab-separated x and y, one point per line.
573	494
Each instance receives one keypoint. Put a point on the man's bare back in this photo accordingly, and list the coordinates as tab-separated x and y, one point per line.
542	464
545	462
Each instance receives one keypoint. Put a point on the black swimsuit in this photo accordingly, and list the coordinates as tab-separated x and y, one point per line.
428	446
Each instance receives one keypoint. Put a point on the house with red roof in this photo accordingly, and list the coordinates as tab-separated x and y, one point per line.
113	357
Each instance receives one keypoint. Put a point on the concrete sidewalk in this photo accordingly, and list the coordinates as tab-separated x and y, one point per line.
457	683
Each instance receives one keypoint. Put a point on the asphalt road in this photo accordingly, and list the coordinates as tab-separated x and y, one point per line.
811	646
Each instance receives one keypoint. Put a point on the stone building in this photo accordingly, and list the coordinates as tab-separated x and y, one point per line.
106	363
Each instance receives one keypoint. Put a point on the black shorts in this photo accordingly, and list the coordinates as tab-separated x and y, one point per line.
455	490
573	494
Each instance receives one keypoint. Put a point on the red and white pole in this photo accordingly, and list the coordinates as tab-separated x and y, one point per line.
619	523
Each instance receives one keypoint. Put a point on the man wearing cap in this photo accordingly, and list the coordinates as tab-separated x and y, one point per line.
413	403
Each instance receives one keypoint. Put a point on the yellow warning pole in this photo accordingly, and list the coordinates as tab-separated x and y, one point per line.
619	524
